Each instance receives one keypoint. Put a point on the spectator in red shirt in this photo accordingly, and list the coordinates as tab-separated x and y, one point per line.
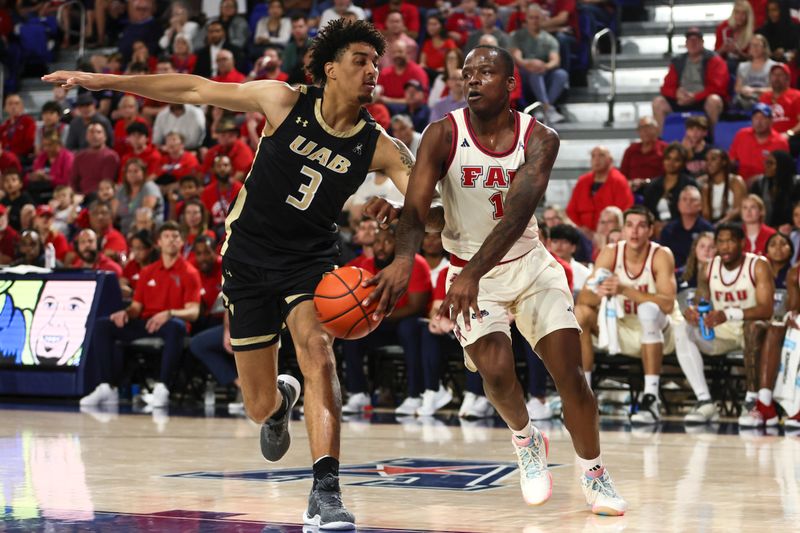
402	324
396	31
220	193
643	160
240	155
785	104
436	45
183	60
8	238
696	81
268	67
43	223
112	242
393	79
226	69
409	12
128	113
603	186
9	161
462	22
141	148
750	145
52	167
188	189
209	264
734	34
94	163
18	131
142	254
167	297
176	162
194	224
89	255
755	231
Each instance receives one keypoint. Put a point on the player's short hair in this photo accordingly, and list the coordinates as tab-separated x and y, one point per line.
505	58
169	225
565	232
334	40
735	228
639	210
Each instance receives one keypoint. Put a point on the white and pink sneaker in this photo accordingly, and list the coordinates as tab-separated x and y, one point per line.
534	478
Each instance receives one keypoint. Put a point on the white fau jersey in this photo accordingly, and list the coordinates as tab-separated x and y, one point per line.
475	184
643	281
739	292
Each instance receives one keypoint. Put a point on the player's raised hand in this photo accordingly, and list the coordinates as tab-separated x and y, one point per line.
461	298
390	284
382	211
73	78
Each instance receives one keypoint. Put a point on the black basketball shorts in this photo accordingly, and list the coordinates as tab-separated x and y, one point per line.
259	300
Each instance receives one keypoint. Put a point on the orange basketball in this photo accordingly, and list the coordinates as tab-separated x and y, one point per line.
337	300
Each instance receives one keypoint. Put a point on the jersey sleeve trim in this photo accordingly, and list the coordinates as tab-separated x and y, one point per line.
453	141
529	131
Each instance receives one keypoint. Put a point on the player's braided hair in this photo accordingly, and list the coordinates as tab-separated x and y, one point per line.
334	39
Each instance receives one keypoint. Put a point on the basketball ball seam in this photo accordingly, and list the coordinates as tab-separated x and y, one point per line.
358	302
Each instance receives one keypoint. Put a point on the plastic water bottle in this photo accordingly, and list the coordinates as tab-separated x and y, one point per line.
210	397
704	308
49	256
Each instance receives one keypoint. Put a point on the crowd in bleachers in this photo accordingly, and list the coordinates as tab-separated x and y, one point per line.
116	182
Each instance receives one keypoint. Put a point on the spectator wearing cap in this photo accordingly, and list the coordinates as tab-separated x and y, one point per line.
229	144
396	31
51	168
643	160
226	69
679	234
694	140
785	104
86	114
403	129
417	105
142	149
696	81
603	186
128	113
9	238
186	119
751	144
89	255
51	121
393	79
564	241
94	163
536	53
18	131
43	223
454	99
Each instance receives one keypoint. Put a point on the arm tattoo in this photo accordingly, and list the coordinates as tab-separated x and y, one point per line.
405	155
524	195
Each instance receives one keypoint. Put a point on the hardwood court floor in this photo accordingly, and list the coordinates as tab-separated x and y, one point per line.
62	470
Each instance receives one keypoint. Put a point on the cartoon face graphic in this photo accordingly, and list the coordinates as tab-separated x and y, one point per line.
59	321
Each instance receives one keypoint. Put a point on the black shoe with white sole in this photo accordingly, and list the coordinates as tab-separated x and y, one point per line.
325	507
275	437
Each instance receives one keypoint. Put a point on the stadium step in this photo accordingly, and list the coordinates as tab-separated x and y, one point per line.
691	12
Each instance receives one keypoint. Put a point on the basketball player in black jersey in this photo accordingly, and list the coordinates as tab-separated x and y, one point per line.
317	146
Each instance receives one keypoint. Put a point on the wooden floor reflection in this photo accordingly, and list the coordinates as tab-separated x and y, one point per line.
66	467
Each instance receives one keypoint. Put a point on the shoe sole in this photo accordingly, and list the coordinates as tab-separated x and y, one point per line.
295	385
607	511
332	526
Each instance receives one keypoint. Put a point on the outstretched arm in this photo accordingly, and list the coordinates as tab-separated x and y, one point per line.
265	96
523	196
392	281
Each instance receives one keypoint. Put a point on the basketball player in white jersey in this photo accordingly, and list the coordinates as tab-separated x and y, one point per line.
494	164
741	289
642	285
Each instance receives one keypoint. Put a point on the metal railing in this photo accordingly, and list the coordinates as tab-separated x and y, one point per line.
82	34
612	68
533	107
670	28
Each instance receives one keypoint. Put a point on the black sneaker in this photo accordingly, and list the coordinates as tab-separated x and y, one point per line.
649	411
325	507
275	438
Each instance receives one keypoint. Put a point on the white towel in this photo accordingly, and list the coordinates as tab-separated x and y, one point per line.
608	335
787	384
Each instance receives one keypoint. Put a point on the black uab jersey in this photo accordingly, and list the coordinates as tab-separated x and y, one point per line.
284	216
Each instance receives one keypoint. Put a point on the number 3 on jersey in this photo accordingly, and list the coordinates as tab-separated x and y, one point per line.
497	203
308	191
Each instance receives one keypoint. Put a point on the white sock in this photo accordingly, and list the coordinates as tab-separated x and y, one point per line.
588	376
751	396
765	396
522	434
691	363
593	467
651	382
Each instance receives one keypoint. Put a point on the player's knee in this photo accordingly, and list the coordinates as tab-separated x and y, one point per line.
262	404
650	315
499	375
315	356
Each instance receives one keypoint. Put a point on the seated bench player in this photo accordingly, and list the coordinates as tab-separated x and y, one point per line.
636	277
